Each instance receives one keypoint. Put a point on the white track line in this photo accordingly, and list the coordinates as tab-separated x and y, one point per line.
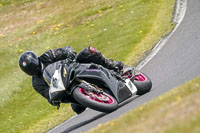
179	14
51	130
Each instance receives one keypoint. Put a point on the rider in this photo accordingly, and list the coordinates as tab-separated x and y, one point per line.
33	65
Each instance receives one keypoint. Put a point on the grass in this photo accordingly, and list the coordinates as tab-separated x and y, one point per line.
177	111
122	30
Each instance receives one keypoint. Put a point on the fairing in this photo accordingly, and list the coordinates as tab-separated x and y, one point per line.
100	75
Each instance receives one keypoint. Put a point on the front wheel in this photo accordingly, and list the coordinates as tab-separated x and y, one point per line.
143	83
103	102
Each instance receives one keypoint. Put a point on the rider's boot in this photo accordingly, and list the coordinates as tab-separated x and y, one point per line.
78	108
117	66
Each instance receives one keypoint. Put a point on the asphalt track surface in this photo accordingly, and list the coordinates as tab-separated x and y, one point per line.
177	62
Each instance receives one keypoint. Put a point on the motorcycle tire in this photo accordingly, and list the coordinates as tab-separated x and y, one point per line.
83	98
143	83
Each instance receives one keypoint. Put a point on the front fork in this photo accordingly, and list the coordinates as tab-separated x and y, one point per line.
87	86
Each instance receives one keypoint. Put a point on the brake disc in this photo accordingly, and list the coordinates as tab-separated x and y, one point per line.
102	98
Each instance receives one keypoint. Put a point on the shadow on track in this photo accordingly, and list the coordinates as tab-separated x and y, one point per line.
84	123
78	125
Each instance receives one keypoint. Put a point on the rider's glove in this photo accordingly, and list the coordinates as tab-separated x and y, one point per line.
70	52
71	55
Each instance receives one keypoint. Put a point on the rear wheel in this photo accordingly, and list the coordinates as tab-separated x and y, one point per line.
142	82
103	102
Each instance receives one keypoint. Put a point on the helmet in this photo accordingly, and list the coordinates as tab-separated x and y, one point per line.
29	63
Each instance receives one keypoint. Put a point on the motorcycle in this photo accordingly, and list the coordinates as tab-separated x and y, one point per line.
93	86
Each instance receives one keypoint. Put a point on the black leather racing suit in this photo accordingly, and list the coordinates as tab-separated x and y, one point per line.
47	58
87	55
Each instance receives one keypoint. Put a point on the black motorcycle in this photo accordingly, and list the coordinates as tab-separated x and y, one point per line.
93	86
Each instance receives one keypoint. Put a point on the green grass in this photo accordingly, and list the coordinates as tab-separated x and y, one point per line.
177	111
121	29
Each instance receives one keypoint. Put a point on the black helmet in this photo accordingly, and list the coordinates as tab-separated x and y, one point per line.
29	63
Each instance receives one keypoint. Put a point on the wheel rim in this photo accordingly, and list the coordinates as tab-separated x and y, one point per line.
140	77
101	98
